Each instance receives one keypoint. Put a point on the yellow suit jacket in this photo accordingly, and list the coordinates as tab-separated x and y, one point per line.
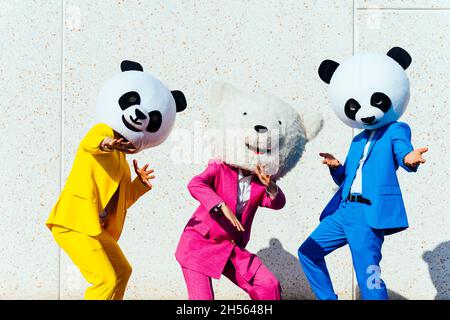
94	178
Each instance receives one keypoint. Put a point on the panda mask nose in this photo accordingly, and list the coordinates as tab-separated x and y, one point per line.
368	120
140	115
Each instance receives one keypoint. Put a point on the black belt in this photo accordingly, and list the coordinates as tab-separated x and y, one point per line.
358	198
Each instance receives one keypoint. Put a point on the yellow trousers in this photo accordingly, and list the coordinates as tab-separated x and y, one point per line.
100	260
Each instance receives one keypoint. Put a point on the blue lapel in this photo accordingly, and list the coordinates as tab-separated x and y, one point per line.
375	138
358	149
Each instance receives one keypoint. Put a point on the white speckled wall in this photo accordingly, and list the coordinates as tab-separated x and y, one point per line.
30	125
56	55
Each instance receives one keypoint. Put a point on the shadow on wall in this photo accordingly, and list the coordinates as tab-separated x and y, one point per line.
287	269
294	284
438	262
395	296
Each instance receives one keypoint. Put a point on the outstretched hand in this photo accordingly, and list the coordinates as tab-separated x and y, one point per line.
143	174
109	144
414	158
329	160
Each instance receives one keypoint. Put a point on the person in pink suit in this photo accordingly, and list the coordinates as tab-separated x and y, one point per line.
214	240
240	178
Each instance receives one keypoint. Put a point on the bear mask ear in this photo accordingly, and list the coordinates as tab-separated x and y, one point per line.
400	56
127	65
180	100
327	69
313	124
221	91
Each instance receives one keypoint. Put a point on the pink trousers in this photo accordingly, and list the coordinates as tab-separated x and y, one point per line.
263	286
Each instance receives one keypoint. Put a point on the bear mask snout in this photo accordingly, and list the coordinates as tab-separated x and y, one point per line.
260	129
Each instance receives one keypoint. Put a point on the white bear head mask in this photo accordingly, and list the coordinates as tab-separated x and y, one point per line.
256	129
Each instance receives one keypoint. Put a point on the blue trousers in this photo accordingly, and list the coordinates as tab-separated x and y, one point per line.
345	226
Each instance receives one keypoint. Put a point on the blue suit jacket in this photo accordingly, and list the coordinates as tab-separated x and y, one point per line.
389	146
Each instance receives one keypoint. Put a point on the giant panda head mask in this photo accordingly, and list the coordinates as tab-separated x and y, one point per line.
368	91
138	106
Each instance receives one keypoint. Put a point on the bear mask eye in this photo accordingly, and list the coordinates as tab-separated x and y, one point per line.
245	113
351	108
279	122
129	99
381	101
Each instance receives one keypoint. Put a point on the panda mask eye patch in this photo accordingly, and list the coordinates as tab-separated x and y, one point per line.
381	101
129	99
154	122
351	108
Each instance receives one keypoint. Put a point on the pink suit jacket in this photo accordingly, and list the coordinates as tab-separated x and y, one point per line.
209	240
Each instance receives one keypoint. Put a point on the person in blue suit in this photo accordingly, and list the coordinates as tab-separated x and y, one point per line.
370	92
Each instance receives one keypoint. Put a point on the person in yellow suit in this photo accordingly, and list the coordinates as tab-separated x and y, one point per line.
136	111
100	178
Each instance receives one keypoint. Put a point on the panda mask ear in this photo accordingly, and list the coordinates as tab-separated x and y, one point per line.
180	100
400	56
128	65
327	69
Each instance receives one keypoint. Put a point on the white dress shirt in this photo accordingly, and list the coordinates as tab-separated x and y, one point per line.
243	193
244	189
356	187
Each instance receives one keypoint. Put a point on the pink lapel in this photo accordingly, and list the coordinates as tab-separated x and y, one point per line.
231	185
255	194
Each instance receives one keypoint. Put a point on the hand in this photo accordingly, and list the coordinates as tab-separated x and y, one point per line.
329	160
231	217
109	144
414	158
143	174
266	180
